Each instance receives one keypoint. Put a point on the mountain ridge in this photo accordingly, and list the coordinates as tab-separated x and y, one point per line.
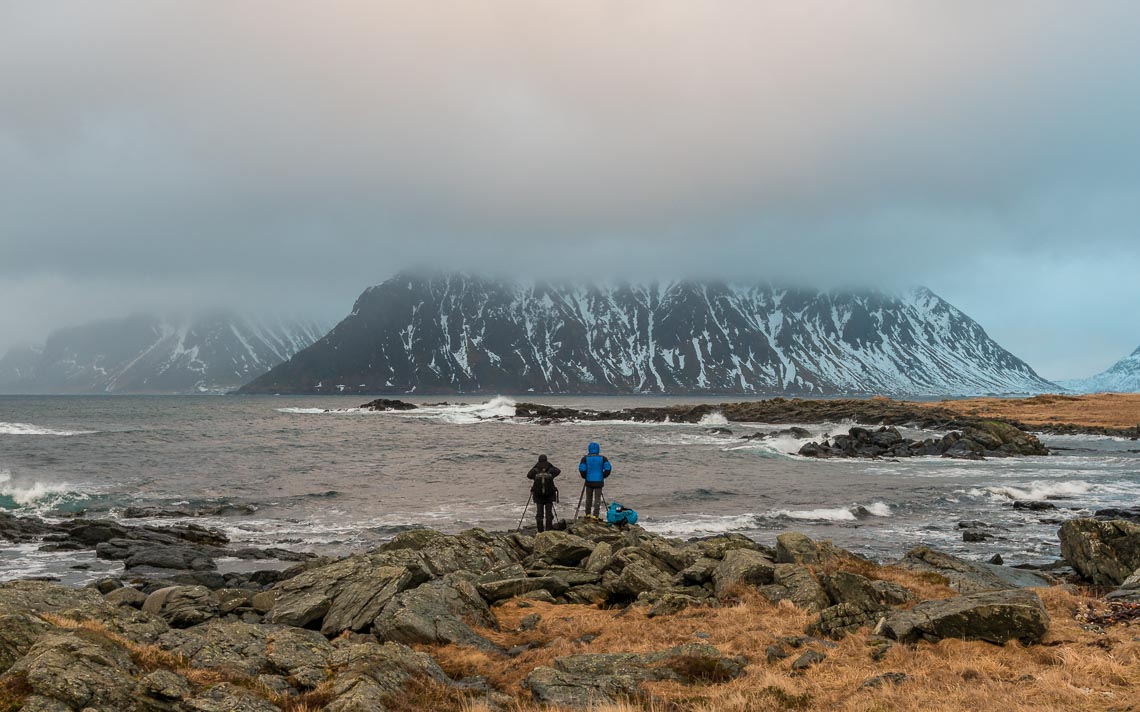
457	333
1121	377
212	352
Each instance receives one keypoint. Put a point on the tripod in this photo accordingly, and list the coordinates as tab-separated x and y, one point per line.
583	494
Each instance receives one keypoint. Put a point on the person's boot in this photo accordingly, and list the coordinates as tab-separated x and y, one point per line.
538	524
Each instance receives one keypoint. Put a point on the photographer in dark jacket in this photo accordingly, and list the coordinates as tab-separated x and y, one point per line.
544	492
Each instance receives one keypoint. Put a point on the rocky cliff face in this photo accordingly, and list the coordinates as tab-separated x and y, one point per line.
458	334
148	354
1122	377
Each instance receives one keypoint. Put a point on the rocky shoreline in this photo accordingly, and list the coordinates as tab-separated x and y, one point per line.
381	630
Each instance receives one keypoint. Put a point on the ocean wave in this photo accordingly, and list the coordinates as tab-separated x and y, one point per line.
837	514
34	495
498	408
29	429
715	418
712	524
1038	490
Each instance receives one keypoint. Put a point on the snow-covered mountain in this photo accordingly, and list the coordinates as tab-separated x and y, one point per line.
1122	377
144	353
455	333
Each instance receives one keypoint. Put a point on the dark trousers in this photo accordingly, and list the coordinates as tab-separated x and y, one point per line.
593	500
544	515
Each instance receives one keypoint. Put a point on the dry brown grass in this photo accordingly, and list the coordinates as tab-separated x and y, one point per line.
1074	669
1107	410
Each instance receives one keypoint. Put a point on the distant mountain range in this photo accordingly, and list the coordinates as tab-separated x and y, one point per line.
453	333
1122	377
144	353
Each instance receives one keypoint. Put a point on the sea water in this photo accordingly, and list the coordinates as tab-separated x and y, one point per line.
320	474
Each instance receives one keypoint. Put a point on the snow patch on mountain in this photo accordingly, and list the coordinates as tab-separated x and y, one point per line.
143	353
456	333
1122	377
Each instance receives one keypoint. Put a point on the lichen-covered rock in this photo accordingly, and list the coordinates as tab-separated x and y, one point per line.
507	588
599	558
80	669
969	576
126	596
742	567
18	633
441	611
584	681
561	548
801	587
635	579
345	595
843	618
1104	552
994	616
227	697
796	548
182	606
367	675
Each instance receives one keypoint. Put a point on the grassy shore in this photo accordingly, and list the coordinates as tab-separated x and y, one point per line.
1077	667
1101	410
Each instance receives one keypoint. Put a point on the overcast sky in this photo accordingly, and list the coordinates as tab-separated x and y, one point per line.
158	154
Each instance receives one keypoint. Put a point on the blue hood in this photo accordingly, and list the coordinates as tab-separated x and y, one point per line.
594	449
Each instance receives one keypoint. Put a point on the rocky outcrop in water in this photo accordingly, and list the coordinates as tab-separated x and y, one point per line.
986	439
1104	552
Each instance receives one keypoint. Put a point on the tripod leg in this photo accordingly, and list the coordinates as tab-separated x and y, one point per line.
579	505
519	527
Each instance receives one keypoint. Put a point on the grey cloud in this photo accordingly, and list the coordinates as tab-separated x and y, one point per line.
291	154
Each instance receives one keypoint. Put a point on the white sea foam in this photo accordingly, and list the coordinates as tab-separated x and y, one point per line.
715	418
29	429
26	495
1040	490
837	514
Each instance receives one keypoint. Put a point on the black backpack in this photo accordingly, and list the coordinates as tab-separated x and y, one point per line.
543	486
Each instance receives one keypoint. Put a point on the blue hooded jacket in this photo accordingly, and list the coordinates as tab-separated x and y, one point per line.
594	468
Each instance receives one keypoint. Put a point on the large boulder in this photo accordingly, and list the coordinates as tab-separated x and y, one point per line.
368	675
508	588
635	578
228	697
182	606
561	548
345	595
18	633
301	655
437	612
77	670
969	576
795	583
1104	552
742	567
994	616
796	548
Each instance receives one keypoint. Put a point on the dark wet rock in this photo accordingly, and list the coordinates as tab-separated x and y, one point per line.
887	678
1129	515
973	524
978	440
584	681
212	510
209	579
996	560
388	404
182	606
1034	506
807	660
995	617
968	576
135	554
1103	552
775	653
742	567
437	612
718	431
78	670
973	536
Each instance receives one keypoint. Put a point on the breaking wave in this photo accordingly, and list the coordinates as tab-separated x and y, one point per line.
1041	490
33	495
716	418
29	429
712	524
